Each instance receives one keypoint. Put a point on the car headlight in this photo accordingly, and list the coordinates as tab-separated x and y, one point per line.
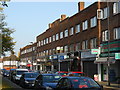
48	88
26	82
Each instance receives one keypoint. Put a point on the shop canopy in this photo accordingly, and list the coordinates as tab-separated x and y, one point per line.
111	60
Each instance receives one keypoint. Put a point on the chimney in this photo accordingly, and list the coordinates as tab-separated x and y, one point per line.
80	6
50	25
63	16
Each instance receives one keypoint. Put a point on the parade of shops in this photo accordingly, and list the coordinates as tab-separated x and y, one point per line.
68	42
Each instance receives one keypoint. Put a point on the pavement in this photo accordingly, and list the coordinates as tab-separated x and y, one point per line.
113	86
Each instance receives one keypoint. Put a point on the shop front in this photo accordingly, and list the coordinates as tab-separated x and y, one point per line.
88	66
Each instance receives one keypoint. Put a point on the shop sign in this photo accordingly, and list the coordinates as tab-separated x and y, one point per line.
87	54
117	55
95	51
61	57
113	46
55	57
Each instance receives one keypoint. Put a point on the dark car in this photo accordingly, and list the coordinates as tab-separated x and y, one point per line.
62	73
82	83
75	73
27	79
46	81
6	73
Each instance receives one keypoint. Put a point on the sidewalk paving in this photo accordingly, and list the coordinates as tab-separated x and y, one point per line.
113	86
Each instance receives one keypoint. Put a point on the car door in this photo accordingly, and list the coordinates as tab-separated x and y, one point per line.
64	83
38	81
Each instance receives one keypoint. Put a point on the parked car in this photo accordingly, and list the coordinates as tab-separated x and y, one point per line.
2	70
75	73
74	83
46	81
28	79
11	74
62	73
6	73
17	73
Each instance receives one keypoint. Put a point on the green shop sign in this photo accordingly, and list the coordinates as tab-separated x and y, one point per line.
113	46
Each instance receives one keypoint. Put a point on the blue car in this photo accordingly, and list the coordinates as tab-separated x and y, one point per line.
46	81
27	79
77	83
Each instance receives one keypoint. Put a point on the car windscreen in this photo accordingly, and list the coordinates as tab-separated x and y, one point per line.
51	78
31	75
63	73
84	83
20	72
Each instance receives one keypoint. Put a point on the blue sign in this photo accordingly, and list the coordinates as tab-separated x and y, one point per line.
61	57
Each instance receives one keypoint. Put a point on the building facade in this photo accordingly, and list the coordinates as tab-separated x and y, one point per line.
67	44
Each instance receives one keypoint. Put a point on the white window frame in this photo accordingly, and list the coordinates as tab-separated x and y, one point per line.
53	38
93	43
71	32
105	12
57	36
105	35
93	21
61	35
116	8
77	28
66	33
50	39
116	33
85	25
85	44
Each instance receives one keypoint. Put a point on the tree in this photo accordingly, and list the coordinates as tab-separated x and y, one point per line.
6	41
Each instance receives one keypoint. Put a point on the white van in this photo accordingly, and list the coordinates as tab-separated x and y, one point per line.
18	73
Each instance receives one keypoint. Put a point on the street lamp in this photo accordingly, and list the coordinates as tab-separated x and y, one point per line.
58	49
32	55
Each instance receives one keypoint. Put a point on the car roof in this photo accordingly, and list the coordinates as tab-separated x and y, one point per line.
75	72
30	72
69	77
62	71
49	74
21	69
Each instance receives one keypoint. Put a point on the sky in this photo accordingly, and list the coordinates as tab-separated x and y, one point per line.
31	18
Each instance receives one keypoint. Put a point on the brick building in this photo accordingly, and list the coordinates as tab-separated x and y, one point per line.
67	38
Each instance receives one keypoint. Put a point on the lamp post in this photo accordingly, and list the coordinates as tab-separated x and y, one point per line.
58	49
32	55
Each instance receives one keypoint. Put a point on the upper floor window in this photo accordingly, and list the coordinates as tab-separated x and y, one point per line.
61	35
46	40
71	47
77	28
71	31
93	43
66	33
50	39
66	48
116	7
105	35
85	25
116	33
53	38
77	47
93	21
57	36
42	42
85	44
105	12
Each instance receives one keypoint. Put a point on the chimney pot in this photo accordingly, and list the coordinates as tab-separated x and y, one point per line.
80	6
63	16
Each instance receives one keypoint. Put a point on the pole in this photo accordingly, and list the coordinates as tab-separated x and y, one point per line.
108	65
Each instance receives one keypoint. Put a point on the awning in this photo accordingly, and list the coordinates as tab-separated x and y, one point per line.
105	60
